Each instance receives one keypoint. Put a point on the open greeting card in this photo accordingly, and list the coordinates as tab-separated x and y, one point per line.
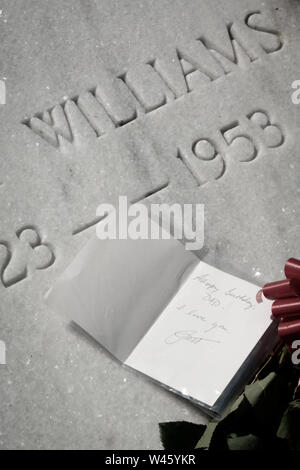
160	310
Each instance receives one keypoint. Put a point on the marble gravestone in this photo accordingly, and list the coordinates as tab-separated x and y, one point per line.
162	101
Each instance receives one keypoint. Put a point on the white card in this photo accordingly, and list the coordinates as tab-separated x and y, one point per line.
204	335
158	309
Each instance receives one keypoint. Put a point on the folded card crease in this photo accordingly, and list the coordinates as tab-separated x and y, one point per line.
160	310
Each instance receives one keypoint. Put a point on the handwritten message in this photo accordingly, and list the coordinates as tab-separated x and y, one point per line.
204	335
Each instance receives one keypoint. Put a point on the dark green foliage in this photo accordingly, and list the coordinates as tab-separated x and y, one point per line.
265	417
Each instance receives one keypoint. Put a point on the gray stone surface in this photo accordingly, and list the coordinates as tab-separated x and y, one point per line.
59	389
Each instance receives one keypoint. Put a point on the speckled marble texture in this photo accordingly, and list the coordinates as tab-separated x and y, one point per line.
208	121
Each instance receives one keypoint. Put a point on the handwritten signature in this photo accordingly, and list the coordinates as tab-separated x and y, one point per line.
187	335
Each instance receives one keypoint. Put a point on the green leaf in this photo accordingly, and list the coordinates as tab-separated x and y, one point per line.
290	424
238	419
253	442
180	435
258	390
204	442
249	442
284	358
268	398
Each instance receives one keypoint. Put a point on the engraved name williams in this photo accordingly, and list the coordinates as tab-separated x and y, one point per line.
119	100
